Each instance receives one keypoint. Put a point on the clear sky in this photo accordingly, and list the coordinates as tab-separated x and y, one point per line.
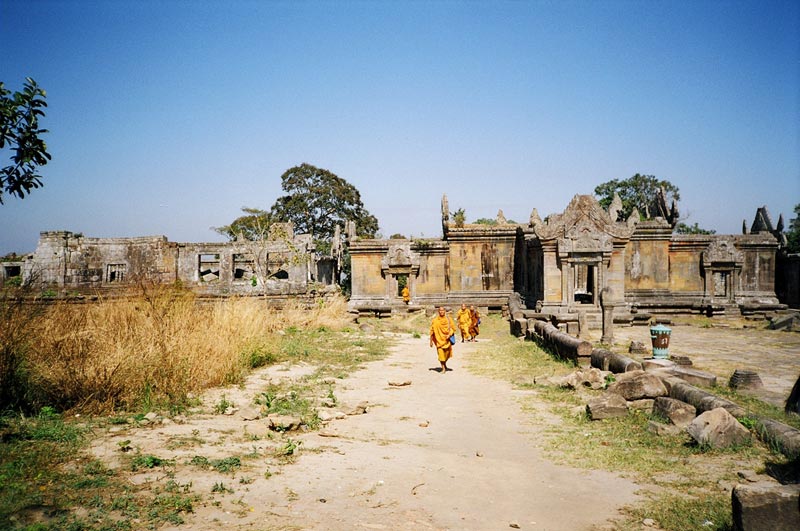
167	117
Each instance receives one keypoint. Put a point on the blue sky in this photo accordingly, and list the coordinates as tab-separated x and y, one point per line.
167	117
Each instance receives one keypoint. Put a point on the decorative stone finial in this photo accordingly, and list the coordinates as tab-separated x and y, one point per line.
615	207
534	219
501	219
634	218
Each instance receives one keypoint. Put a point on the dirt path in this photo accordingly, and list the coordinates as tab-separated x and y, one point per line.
447	452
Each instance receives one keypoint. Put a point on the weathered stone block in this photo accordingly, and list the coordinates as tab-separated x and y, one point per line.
638	384
607	406
679	413
718	429
766	507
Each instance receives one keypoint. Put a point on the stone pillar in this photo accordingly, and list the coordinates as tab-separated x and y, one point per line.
607	304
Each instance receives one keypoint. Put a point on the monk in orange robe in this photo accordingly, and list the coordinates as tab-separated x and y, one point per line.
442	328
474	329
464	318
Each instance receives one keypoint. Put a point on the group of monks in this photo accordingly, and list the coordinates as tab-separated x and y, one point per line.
443	331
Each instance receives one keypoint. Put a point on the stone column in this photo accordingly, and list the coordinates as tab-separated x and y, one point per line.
607	303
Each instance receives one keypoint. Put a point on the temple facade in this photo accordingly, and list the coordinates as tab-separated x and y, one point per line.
570	264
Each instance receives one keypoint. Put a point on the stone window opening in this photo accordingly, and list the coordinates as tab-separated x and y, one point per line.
243	268
281	274
116	272
208	267
12	271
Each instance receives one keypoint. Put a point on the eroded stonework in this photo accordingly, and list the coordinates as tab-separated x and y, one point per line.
284	264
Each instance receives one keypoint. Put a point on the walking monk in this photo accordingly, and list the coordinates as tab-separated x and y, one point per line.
441	329
475	322
464	318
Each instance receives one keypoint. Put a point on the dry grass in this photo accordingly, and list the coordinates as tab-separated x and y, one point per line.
155	348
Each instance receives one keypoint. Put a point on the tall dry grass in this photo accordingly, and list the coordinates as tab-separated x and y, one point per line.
156	348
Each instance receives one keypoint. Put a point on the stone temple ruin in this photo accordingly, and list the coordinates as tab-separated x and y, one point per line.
566	266
285	264
569	264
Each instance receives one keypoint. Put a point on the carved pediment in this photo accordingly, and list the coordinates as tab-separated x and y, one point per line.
722	252
583	216
399	256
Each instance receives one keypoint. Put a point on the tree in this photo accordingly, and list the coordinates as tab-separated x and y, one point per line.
317	201
793	234
19	130
640	192
254	225
684	228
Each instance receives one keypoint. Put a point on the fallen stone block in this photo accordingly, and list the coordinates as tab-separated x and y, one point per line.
678	413
656	363
718	429
767	506
607	406
638	384
745	379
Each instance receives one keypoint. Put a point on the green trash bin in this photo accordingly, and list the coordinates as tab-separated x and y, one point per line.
659	334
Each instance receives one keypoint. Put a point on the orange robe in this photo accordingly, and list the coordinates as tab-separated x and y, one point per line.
464	322
441	330
473	328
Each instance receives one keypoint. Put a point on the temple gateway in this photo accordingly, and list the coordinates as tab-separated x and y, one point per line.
570	263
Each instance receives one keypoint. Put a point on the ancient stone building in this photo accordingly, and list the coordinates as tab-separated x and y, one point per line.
284	264
570	263
472	264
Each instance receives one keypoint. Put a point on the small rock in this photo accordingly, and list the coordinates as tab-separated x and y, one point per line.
328	433
360	409
325	416
424	424
151	416
648	522
479	454
250	414
165	421
327	402
513	525
400	384
230	410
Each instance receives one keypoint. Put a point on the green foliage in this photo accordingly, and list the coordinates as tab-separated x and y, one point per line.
683	228
254	225
793	234
485	221
318	200
14	281
19	131
639	191
222	406
459	217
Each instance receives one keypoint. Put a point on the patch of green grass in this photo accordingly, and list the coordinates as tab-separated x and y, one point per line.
149	461
222	406
687	511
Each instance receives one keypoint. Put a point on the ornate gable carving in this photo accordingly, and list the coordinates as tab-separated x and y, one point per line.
400	258
721	252
584	220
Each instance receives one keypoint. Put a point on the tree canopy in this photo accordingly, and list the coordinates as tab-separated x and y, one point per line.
793	234
19	131
317	200
640	192
684	228
254	225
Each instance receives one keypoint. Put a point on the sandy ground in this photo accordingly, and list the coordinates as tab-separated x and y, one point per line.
447	452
